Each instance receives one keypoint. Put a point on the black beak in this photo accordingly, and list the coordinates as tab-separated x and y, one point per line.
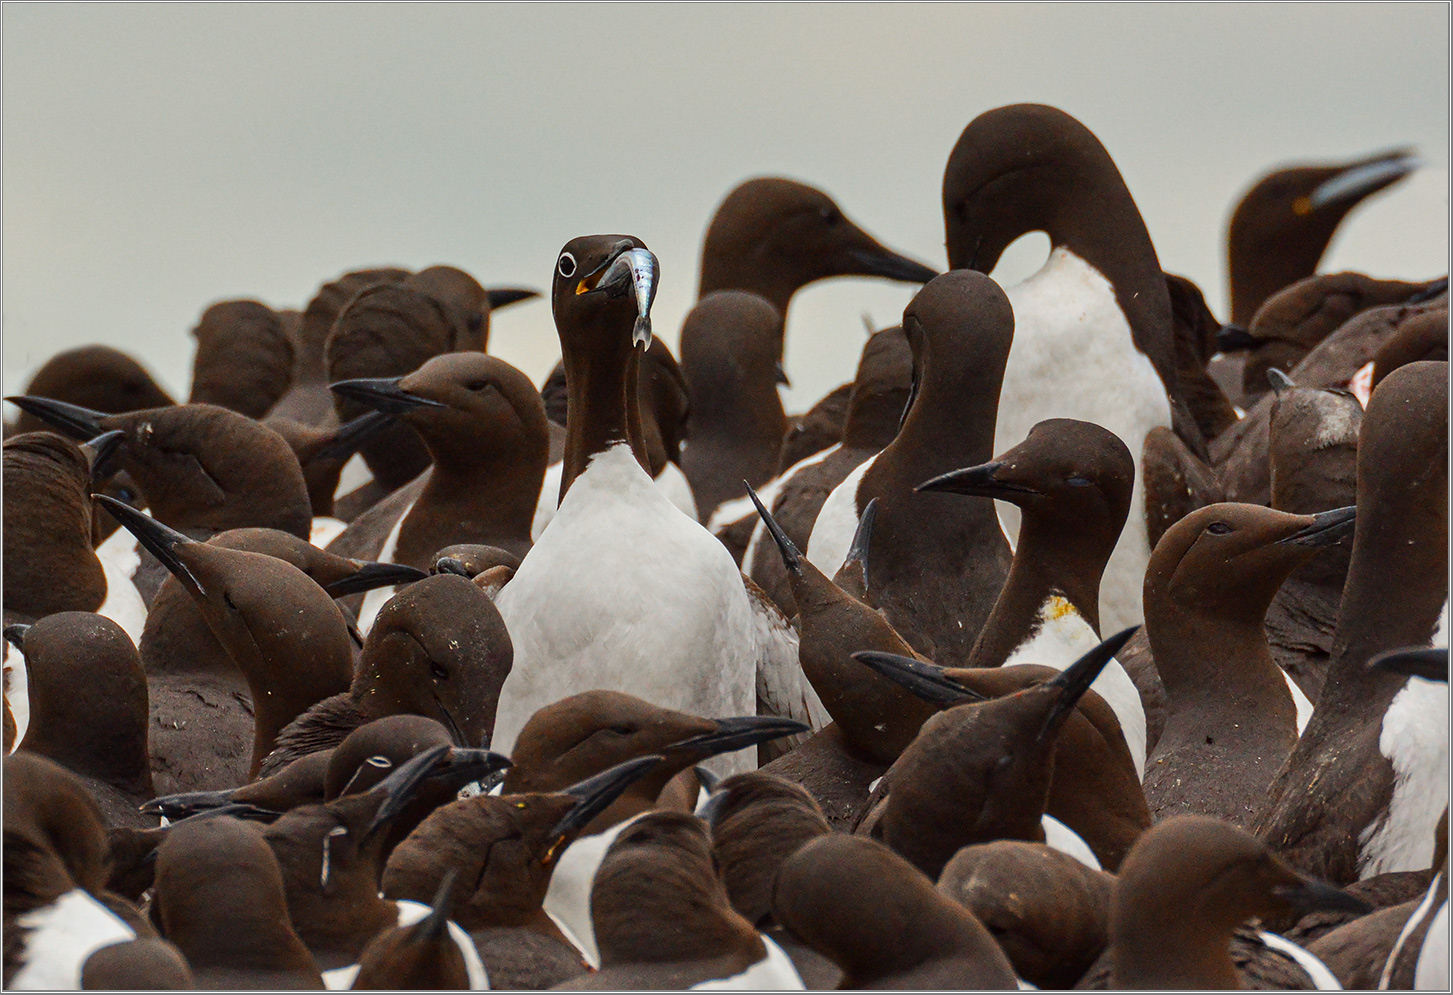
182	806
160	541
400	787
1076	679
739	733
237	810
434	925
1234	338
1326	528
1279	381
465	764
976	481
1431	664
15	635
706	778
383	394
890	266
505	296
923	680
863	537
72	419
1437	288
596	794
1363	178
349	437
1312	895
791	558
99	452
780	375
373	575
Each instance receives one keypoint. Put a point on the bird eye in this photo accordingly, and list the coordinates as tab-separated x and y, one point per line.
830	216
475	321
478	385
440	674
1078	482
566	265
228	598
1218	528
622	730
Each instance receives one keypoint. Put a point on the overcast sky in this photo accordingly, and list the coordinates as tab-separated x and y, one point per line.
159	158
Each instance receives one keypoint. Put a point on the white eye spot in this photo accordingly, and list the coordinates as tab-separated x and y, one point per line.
566	265
379	762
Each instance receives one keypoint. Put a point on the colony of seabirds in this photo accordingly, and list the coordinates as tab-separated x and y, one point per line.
638	682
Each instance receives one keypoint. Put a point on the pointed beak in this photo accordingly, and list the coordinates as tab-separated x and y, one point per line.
883	262
400	787
182	806
1431	664
15	635
374	575
780	375
464	764
1363	178
737	734
383	394
976	481
349	437
791	558
863	537
433	926
1309	896
1234	338
1326	528
634	271
99	452
161	541
505	296
72	419
925	681
1279	381
596	795
1076	679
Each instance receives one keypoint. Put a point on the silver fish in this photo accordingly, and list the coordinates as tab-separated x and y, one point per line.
640	270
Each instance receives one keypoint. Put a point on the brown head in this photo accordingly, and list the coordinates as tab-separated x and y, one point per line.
464	300
1423	337
88	699
439	649
50	564
774	236
601	298
504	848
879	918
137	965
219	897
264	611
419	957
323	310
881	389
97	377
657	880
54	836
1186	885
584	734
1283	224
244	360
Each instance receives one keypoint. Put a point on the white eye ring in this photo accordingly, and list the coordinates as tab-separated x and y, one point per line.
566	265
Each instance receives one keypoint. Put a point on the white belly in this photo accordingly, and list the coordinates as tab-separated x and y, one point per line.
837	523
624	592
736	509
123	605
375	599
773	973
1058	836
1415	740
567	900
17	692
1431	974
342	978
62	935
1062	638
1073	357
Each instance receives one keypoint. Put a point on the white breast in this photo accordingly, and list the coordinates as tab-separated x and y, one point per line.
671	482
17	692
1062	637
1431	974
1058	836
837	522
62	935
773	973
624	592
123	604
324	530
1073	357
342	978
374	600
567	900
1424	909
355	474
730	512
1415	741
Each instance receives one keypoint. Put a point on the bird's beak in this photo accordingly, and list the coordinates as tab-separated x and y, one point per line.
633	271
161	541
373	575
1326	528
382	394
72	419
1361	179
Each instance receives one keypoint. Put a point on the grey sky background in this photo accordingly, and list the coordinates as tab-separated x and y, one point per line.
159	158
